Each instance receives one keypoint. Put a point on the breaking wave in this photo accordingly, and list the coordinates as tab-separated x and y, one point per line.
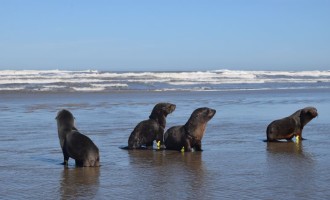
216	80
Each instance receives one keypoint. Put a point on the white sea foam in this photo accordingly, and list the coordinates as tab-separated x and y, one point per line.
11	88
88	89
115	85
92	80
314	73
47	81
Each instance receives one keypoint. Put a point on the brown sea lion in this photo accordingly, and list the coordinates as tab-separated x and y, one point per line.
291	126
74	144
152	129
189	135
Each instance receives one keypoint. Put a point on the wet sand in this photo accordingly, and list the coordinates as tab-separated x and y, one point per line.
235	163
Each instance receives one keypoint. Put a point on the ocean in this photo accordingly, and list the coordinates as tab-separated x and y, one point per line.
236	163
217	80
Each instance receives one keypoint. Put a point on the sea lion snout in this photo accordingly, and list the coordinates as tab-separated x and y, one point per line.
172	107
169	108
313	113
211	113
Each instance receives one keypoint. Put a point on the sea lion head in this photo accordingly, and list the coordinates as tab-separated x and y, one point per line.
162	109
307	114
202	115
65	119
196	124
309	111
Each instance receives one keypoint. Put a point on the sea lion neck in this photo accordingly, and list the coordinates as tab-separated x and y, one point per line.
195	130
161	119
304	120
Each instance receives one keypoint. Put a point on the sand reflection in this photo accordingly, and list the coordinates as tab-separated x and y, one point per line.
79	182
169	172
289	166
285	148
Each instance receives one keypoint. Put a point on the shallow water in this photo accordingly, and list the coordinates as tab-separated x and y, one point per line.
235	163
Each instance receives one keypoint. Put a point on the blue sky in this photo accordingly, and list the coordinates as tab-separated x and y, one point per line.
165	34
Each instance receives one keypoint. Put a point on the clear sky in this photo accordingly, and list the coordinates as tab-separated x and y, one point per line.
165	34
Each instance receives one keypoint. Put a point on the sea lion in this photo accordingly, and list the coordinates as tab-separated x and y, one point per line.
74	144
152	129
290	126
189	136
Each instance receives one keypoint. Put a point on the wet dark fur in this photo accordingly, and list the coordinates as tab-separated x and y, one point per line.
74	144
291	126
189	135
152	129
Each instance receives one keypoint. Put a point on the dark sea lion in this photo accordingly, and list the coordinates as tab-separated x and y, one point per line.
152	129
189	135
74	144
291	126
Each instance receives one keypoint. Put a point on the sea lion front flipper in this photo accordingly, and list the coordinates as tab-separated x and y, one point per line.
187	145
198	146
